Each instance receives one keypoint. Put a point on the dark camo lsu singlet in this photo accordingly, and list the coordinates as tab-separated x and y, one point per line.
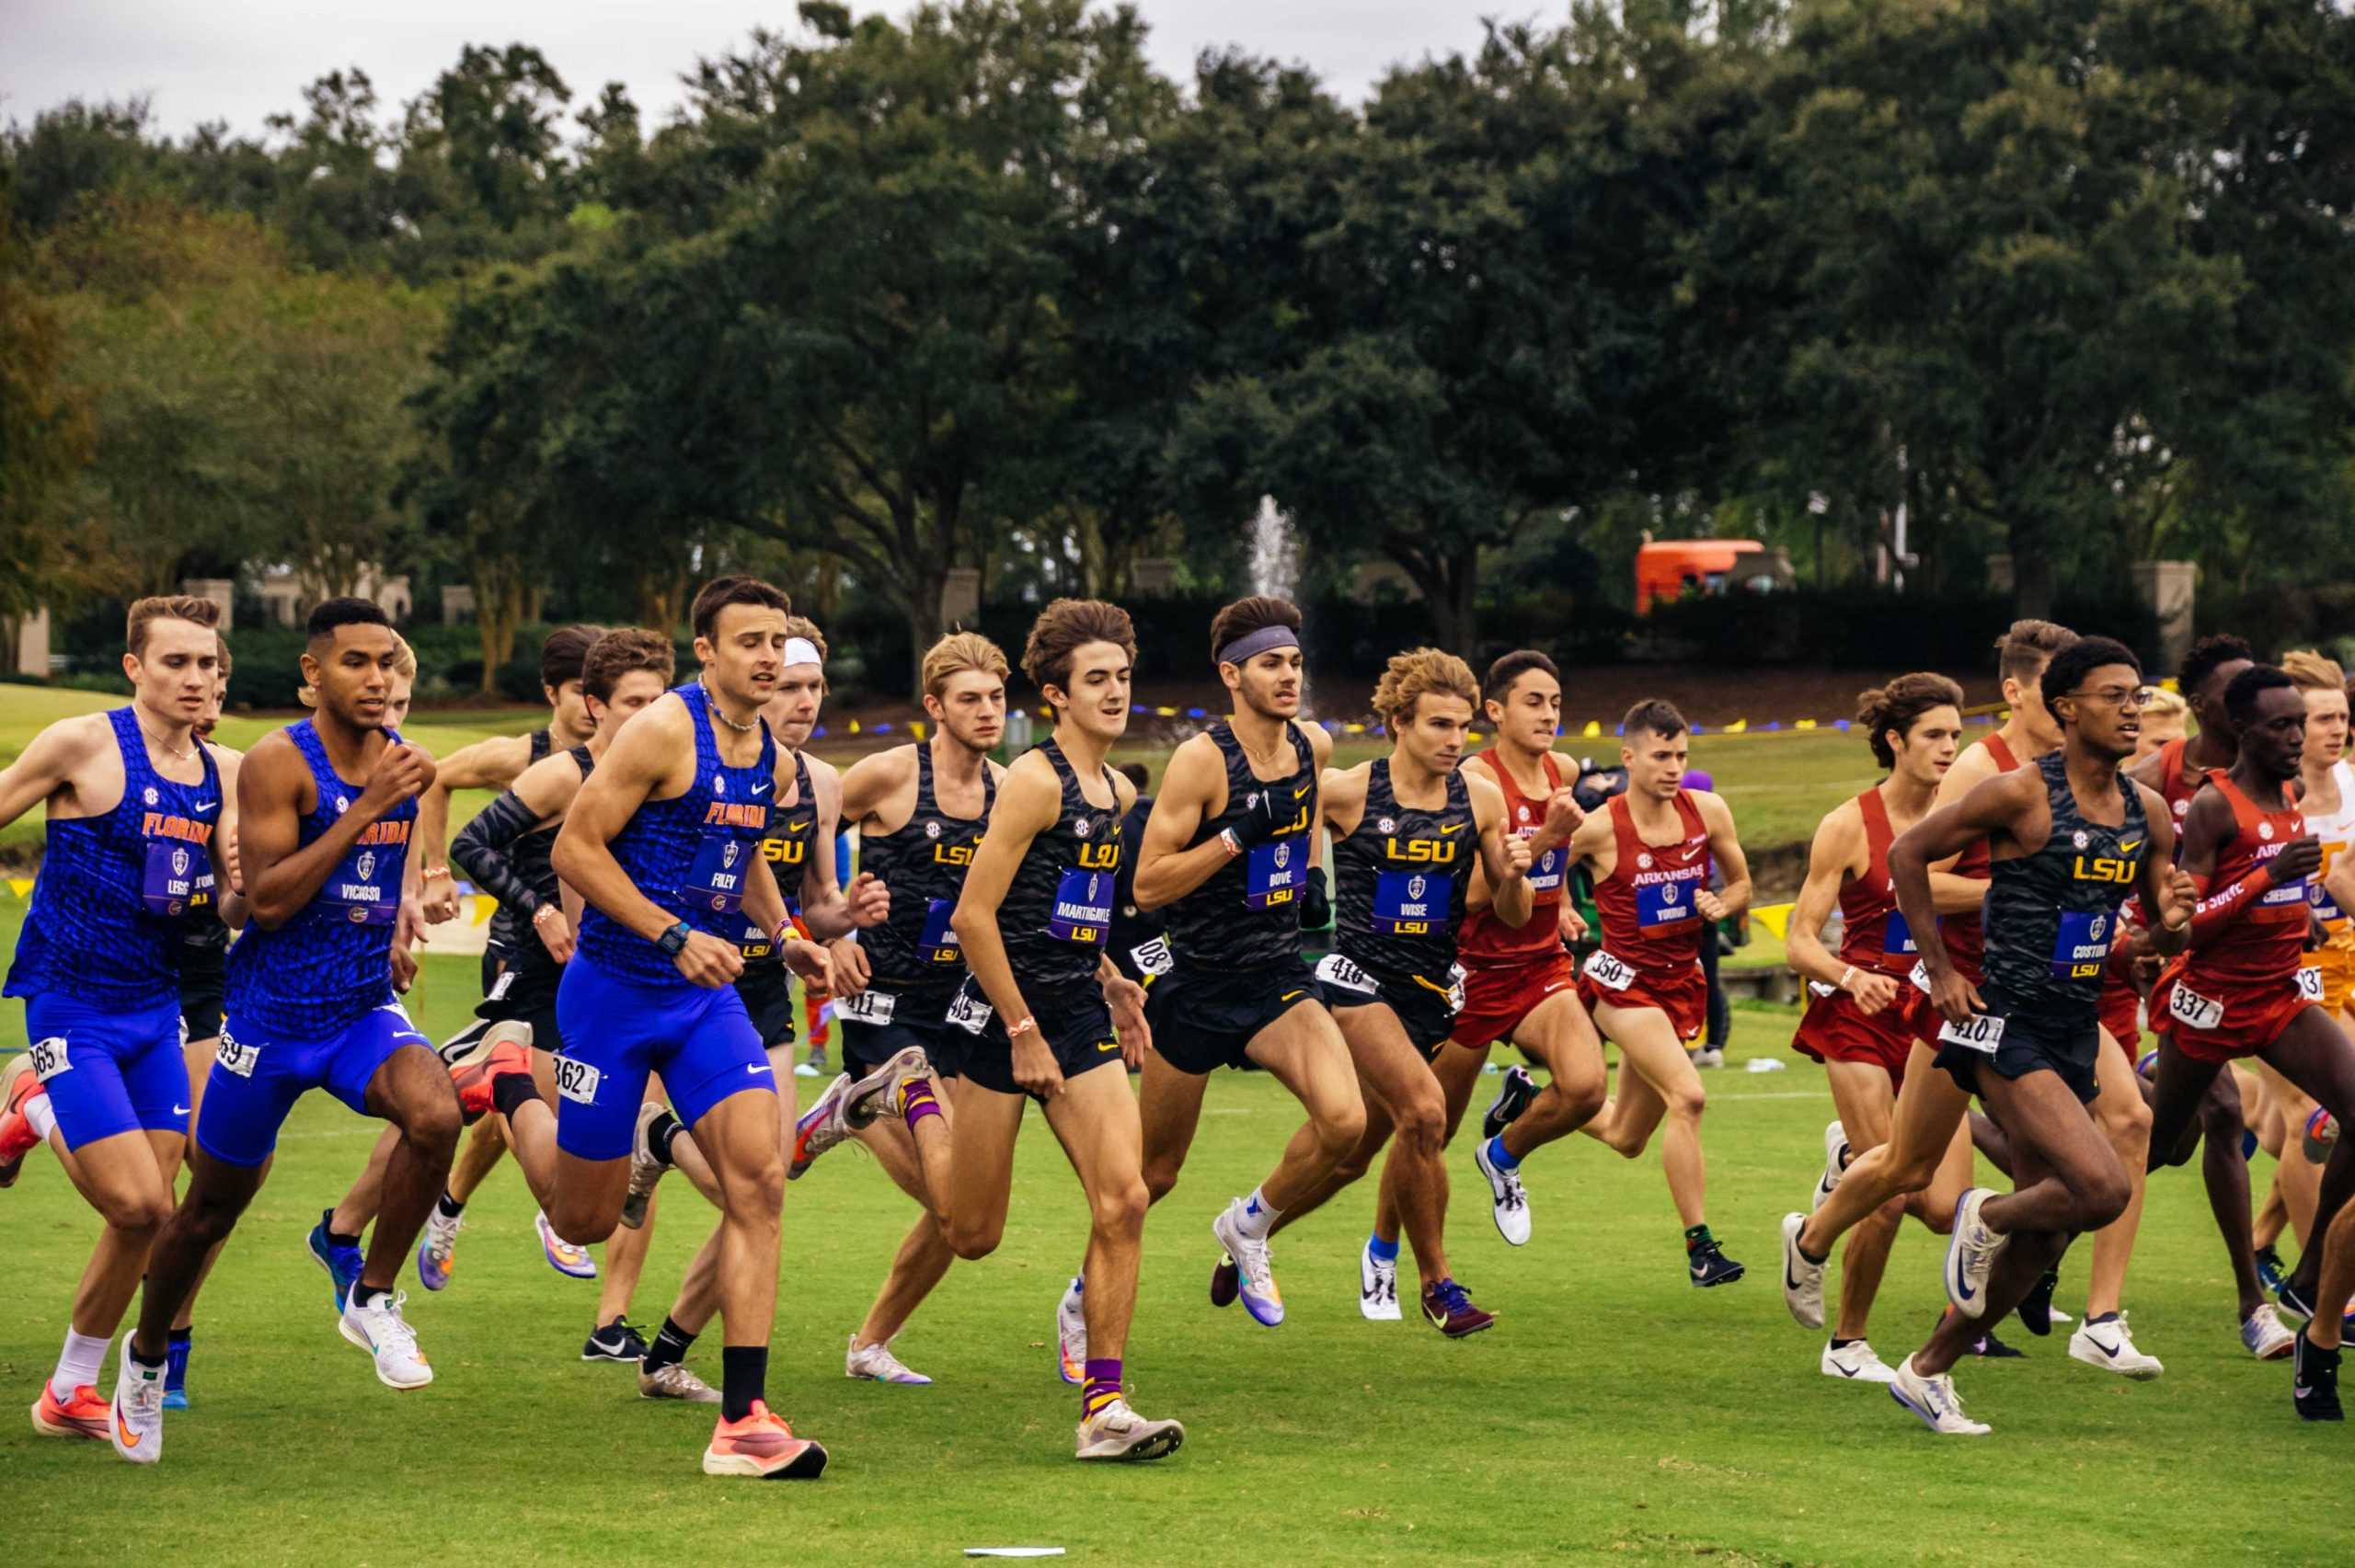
923	862
786	847
1058	910
2050	917
1401	878
1247	915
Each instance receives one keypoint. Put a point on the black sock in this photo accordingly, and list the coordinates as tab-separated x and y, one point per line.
448	1207
335	1238
1839	1344
659	1134
1800	1247
363	1294
1695	1236
744	1376
670	1348
511	1092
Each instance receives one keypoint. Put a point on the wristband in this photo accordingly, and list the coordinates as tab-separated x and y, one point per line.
433	871
1845	975
547	909
1232	845
1016	1031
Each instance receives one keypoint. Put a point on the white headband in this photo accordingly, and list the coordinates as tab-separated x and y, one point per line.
801	650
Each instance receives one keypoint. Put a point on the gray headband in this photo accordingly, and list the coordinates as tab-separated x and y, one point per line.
1257	643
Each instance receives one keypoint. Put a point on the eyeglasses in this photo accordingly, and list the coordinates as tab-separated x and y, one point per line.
2113	696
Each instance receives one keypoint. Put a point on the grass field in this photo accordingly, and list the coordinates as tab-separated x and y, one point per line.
1613	1414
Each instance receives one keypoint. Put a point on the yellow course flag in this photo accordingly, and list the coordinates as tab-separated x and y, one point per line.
20	885
854	726
1737	727
1804	723
1775	918
484	906
915	728
1592	730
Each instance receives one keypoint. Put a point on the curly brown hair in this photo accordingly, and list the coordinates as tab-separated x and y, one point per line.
1418	672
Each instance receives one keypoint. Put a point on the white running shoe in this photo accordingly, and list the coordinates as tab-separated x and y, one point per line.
1508	1202
1971	1251
382	1333
1070	1334
1934	1401
674	1381
805	1071
1802	1280
875	1364
644	1169
1254	1271
2107	1344
1855	1362
1377	1287
1116	1432
136	1424
849	1104
2266	1335
1835	1144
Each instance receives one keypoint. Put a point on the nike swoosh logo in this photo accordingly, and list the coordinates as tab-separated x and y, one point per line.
756	1069
1450	827
1301	791
2129	849
1845	1372
1102	1046
179	1110
1291	994
204	806
2109	1350
762	788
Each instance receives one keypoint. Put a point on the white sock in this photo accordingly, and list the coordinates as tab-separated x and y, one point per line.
1255	1219
77	1365
43	1117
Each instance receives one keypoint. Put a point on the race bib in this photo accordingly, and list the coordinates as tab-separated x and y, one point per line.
1335	970
368	884
1083	908
169	885
1544	873
48	1057
716	877
1983	1032
1154	957
1274	874
1663	906
867	1007
1896	937
1456	988
937	945
2191	1010
577	1080
234	1056
1410	903
2081	944
969	1011
1920	977
2310	984
1608	972
501	986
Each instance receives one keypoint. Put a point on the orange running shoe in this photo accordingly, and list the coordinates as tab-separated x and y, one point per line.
475	1079
763	1448
84	1415
18	1138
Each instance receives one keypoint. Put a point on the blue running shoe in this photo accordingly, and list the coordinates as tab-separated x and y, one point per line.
2270	1272
343	1264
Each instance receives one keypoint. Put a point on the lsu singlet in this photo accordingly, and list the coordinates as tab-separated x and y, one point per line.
923	862
2049	915
1057	912
785	847
1401	878
1247	915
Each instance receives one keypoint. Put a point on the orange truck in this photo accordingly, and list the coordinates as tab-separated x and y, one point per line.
1668	569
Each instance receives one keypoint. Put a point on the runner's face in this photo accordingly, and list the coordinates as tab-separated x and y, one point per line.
1656	763
1926	751
633	691
568	707
1529	716
1268	683
1097	698
396	705
745	653
1432	734
2105	710
176	674
351	670
2326	726
972	708
2275	740
793	711
2157	731
212	714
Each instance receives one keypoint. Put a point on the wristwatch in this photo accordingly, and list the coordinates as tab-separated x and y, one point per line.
674	941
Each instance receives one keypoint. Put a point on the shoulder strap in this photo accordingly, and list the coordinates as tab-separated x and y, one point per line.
2001	749
1878	836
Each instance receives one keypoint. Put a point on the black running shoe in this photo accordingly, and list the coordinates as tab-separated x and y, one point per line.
2035	1307
1987	1348
2270	1272
1512	1099
1226	1283
1705	1264
2314	1381
617	1341
2294	1300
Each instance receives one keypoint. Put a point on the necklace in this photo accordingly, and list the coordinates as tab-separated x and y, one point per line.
745	728
169	750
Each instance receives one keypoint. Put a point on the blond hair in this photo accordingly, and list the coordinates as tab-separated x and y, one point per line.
2161	702
1409	676
2310	671
957	652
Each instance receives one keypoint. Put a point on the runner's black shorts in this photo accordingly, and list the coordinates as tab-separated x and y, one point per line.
525	993
2035	1038
1425	1008
1078	1029
204	977
1203	1017
878	1025
766	987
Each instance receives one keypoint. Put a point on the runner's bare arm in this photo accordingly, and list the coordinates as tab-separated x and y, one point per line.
281	874
1504	857
2164	885
1991	809
1831	859
48	767
873	785
1193	788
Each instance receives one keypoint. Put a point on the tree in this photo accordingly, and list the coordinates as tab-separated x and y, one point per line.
46	437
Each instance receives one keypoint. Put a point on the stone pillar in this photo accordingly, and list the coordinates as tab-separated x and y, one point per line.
457	604
27	650
223	591
961	595
2165	588
1999	575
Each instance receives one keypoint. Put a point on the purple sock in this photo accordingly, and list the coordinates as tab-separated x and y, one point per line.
918	1102
1103	1386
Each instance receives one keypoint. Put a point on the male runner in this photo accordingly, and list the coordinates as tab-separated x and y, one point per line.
134	810
1650	854
1229	854
2068	840
1400	825
2165	719
1855	1023
1032	920
2241	990
325	810
663	844
919	810
1927	1157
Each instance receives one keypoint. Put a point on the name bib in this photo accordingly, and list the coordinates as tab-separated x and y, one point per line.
1660	906
715	877
169	884
867	1007
937	945
2304	890
1410	903
1544	873
1083	908
1274	873
1896	937
2191	1010
368	886
1608	972
2310	984
2080	945
1983	1032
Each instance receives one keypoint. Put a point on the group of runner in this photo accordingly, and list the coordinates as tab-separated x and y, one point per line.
661	858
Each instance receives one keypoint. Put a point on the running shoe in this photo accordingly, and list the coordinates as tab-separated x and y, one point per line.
1377	1287
675	1381
761	1446
1226	1283
437	1249
2148	1067
849	1104
1512	1098
1508	1201
572	1261
1451	1311
2265	1336
2105	1343
875	1364
136	1422
1855	1362
2314	1381
1249	1255
1706	1263
2321	1135
1934	1401
1071	1334
379	1329
84	1415
473	1080
2270	1272
617	1341
1802	1280
1971	1251
1987	1348
1835	1161
1116	1432
18	1138
2035	1307
644	1169
1709	1056
342	1262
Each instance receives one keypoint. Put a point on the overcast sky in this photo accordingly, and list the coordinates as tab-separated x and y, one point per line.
242	60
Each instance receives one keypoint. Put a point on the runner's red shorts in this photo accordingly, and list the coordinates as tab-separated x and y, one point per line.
2121	1011
1834	1030
1682	994
1496	999
2252	1019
